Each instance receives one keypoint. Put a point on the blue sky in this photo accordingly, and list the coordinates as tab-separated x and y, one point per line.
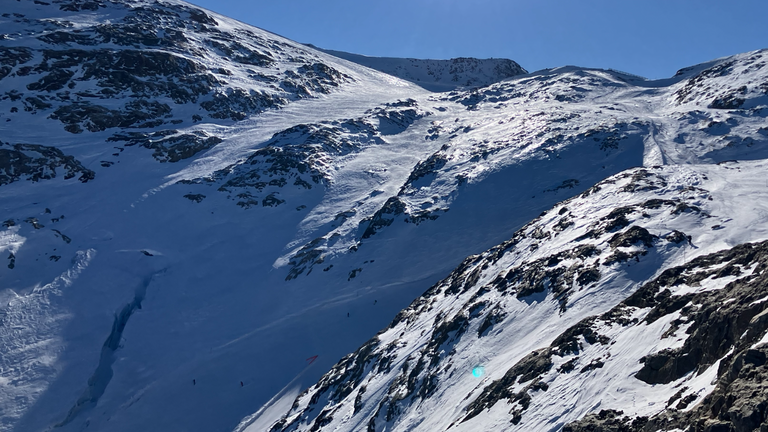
652	38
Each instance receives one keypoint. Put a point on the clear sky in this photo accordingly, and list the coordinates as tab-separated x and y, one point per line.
652	38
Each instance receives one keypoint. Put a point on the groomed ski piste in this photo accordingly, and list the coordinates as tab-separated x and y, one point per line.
182	275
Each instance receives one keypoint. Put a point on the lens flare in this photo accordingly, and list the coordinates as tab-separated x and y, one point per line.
478	371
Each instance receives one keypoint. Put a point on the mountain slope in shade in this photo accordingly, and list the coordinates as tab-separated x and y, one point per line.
439	75
101	109
193	207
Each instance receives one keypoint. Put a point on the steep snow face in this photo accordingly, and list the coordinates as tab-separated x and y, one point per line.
439	75
192	209
528	335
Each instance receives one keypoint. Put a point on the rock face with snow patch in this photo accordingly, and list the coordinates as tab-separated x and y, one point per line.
37	162
440	75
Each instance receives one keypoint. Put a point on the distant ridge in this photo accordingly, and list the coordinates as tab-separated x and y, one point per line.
628	74
438	75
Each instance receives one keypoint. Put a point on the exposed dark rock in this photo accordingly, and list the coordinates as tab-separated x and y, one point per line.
617	219
396	117
34	222
566	184
739	402
238	104
657	203
730	100
62	236
36	162
246	200
610	136
569	341
632	236
698	84
301	153
341	380
81	5
242	54
677	237
606	421
306	257
354	273
272	200
142	73
195	197
549	274
384	216
95	118
55	80
10	57
429	166
169	145
496	315
533	365
644	180
33	104
716	325
311	78
568	366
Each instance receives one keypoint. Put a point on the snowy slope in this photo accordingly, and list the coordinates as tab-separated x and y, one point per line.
416	374
95	222
537	314
193	206
439	75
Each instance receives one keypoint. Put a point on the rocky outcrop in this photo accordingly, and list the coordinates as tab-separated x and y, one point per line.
713	85
724	325
169	145
36	162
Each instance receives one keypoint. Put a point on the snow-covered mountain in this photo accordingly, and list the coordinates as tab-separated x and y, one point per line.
641	297
195	208
637	305
439	75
